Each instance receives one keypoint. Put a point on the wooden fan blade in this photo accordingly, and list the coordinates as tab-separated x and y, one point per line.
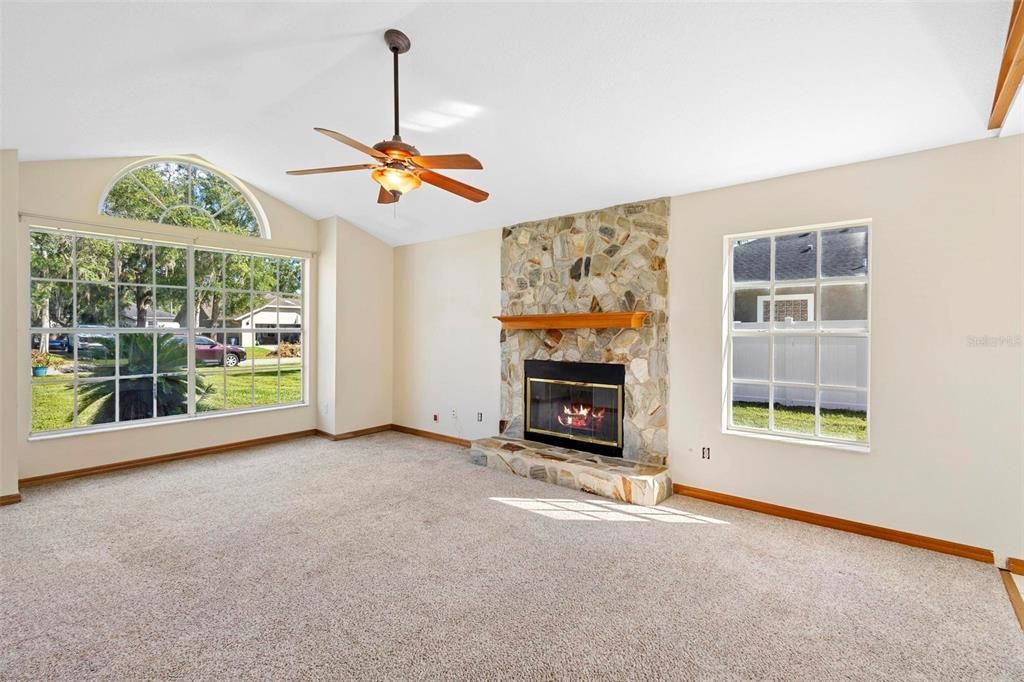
463	161
355	144
331	169
386	197
453	186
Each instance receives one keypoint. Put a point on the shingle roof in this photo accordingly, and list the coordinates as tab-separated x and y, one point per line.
844	253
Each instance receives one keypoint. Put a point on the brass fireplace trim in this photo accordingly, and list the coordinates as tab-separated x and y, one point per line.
569	436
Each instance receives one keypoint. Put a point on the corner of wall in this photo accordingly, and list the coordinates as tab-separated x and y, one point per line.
356	309
8	339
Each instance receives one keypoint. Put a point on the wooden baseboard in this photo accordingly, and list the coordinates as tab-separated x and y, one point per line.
1014	594
1015	566
395	427
13	498
215	449
431	435
146	461
354	434
921	541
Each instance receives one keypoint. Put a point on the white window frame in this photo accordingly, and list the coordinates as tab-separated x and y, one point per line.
816	331
191	331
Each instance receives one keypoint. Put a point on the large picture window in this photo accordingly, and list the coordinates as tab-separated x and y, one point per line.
798	334
127	331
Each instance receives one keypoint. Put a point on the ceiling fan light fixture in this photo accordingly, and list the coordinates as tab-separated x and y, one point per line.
396	179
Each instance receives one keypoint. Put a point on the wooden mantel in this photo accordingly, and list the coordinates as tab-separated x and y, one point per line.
627	320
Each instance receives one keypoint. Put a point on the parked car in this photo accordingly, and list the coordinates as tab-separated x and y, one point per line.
210	352
60	344
96	346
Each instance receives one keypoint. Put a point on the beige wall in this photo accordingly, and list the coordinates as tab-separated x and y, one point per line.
8	332
70	191
447	355
356	328
946	415
327	324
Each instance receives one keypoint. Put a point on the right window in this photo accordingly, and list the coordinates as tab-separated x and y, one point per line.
799	335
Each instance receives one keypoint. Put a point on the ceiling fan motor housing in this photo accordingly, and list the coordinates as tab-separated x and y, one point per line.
395	148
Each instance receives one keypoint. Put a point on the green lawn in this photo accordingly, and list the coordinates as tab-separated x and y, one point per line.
844	424
257	352
52	405
53	401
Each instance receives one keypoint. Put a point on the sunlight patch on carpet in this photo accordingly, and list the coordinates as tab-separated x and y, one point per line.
602	510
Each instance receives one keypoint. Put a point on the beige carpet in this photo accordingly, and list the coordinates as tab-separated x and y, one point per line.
387	557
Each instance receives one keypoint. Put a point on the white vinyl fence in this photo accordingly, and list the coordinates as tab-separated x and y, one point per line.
844	363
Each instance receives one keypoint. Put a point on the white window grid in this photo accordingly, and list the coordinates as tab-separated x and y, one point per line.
773	330
224	330
192	167
190	331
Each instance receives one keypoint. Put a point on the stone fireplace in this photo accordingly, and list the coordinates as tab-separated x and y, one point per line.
602	261
584	353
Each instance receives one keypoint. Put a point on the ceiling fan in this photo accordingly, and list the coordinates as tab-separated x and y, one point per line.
399	168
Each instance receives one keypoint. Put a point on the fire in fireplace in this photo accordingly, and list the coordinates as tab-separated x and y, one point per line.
581	416
575	404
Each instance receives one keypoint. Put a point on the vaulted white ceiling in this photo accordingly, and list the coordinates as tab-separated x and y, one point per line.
569	106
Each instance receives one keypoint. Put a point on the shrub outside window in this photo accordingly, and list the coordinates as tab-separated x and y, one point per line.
797	362
127	331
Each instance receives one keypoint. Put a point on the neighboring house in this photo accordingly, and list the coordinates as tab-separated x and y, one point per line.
276	312
160	319
795	259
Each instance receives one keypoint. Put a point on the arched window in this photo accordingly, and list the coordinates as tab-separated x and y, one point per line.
185	192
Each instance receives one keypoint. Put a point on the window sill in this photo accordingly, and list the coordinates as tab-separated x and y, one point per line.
184	419
859	448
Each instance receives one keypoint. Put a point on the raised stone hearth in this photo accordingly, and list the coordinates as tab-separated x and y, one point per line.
611	477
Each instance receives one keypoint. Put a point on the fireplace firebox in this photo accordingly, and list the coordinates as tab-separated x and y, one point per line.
576	405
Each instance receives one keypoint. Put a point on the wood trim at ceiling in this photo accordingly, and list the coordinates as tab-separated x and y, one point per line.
146	461
13	498
1011	68
354	434
1016	602
1015	566
627	320
904	538
431	435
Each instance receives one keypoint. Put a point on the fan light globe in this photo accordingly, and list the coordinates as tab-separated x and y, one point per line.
396	179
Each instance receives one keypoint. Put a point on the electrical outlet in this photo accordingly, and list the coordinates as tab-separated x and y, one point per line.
705	453
454	415
479	416
435	417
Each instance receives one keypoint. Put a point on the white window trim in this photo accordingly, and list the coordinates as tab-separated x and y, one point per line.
191	332
771	331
